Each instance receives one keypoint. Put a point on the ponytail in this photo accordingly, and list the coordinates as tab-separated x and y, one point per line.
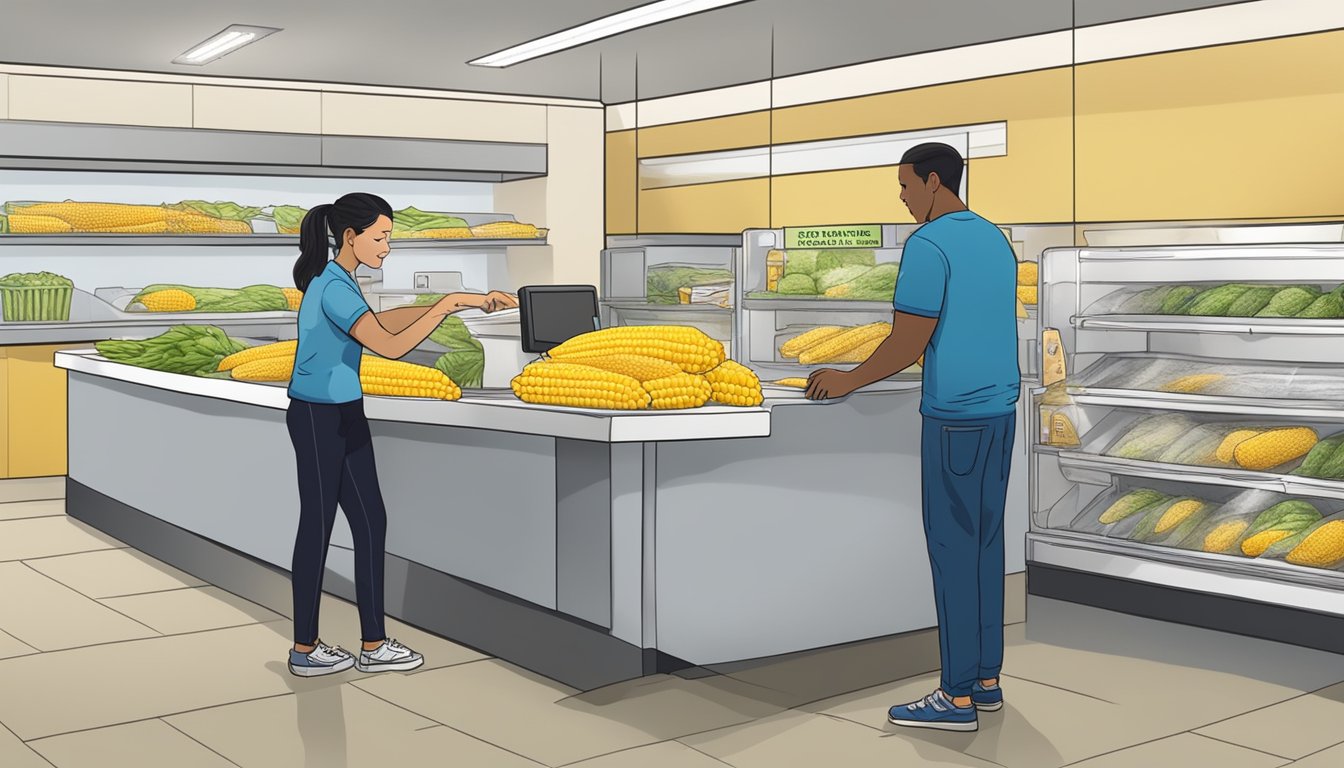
313	247
357	211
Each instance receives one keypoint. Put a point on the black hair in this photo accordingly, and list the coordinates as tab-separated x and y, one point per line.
935	157
357	211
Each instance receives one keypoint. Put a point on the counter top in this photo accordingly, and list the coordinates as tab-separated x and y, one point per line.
490	410
258	324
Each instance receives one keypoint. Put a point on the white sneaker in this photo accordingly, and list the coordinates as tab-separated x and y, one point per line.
322	660
391	656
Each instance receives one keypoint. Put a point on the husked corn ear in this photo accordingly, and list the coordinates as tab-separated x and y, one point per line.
191	222
793	382
379	376
260	352
279	368
636	367
791	348
734	384
1277	446
1193	383
1177	514
836	346
1323	547
444	233
1227	449
1256	545
294	296
579	386
688	347
680	390
1028	273
1225	535
861	352
152	228
98	217
504	229
170	300
32	224
1027	294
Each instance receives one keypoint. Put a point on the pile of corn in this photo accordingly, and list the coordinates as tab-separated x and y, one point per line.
832	344
1175	439
51	218
638	367
377	376
1028	273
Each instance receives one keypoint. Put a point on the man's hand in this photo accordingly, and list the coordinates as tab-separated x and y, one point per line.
829	383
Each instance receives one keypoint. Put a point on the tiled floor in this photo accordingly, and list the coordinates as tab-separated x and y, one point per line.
109	658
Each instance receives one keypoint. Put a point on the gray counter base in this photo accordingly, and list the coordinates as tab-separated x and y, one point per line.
562	648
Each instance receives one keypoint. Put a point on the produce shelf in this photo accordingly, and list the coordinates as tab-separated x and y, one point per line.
644	306
247	240
811	305
1238	406
1241	326
1078	465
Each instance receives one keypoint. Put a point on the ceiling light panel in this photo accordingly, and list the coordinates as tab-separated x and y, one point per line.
222	44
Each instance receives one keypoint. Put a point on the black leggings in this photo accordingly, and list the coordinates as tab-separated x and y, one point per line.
334	453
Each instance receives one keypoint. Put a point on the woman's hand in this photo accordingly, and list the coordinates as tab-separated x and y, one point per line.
494	301
486	302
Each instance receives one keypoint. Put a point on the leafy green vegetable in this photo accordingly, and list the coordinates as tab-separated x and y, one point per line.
797	285
187	349
219	210
464	362
877	284
4	224
850	257
288	217
253	298
414	220
664	281
833	277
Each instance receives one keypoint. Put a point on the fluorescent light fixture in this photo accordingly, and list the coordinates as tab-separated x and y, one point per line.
231	39
615	24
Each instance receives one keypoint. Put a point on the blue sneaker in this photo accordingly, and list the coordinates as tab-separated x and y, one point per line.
322	660
987	699
935	711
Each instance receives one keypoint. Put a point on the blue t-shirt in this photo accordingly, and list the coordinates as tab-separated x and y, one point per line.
326	367
960	269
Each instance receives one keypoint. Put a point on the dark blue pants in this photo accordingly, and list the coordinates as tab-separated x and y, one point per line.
965	479
334	454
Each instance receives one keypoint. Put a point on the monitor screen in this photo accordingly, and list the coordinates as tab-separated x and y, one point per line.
553	314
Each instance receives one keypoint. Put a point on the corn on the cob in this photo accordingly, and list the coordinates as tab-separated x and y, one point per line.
260	352
688	347
152	228
31	224
171	300
1027	294
793	347
1227	449
294	296
97	217
793	382
1322	548
191	222
504	229
637	367
582	386
1225	535
1028	273
1194	383
1177	514
379	376
860	353
732	383
444	233
1277	446
1256	545
681	390
279	368
836	346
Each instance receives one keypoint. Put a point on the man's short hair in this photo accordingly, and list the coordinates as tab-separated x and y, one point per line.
938	158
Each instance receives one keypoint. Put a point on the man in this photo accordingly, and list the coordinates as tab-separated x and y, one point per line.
956	304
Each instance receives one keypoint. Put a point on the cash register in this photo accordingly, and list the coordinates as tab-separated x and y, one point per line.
550	315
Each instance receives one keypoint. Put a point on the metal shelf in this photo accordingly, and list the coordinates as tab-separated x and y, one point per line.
635	304
1083	462
1165	401
812	305
262	240
1240	326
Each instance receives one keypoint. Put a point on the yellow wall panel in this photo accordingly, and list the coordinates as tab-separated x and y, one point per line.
725	207
862	196
1242	131
622	183
37	412
4	411
1033	183
732	132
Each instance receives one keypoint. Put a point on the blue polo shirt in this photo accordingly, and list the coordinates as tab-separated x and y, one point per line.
960	269
326	367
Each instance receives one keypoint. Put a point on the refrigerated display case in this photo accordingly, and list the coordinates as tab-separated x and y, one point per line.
1206	388
671	280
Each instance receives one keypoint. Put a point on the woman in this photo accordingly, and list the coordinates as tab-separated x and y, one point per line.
327	425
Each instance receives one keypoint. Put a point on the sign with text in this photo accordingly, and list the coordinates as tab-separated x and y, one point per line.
850	236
